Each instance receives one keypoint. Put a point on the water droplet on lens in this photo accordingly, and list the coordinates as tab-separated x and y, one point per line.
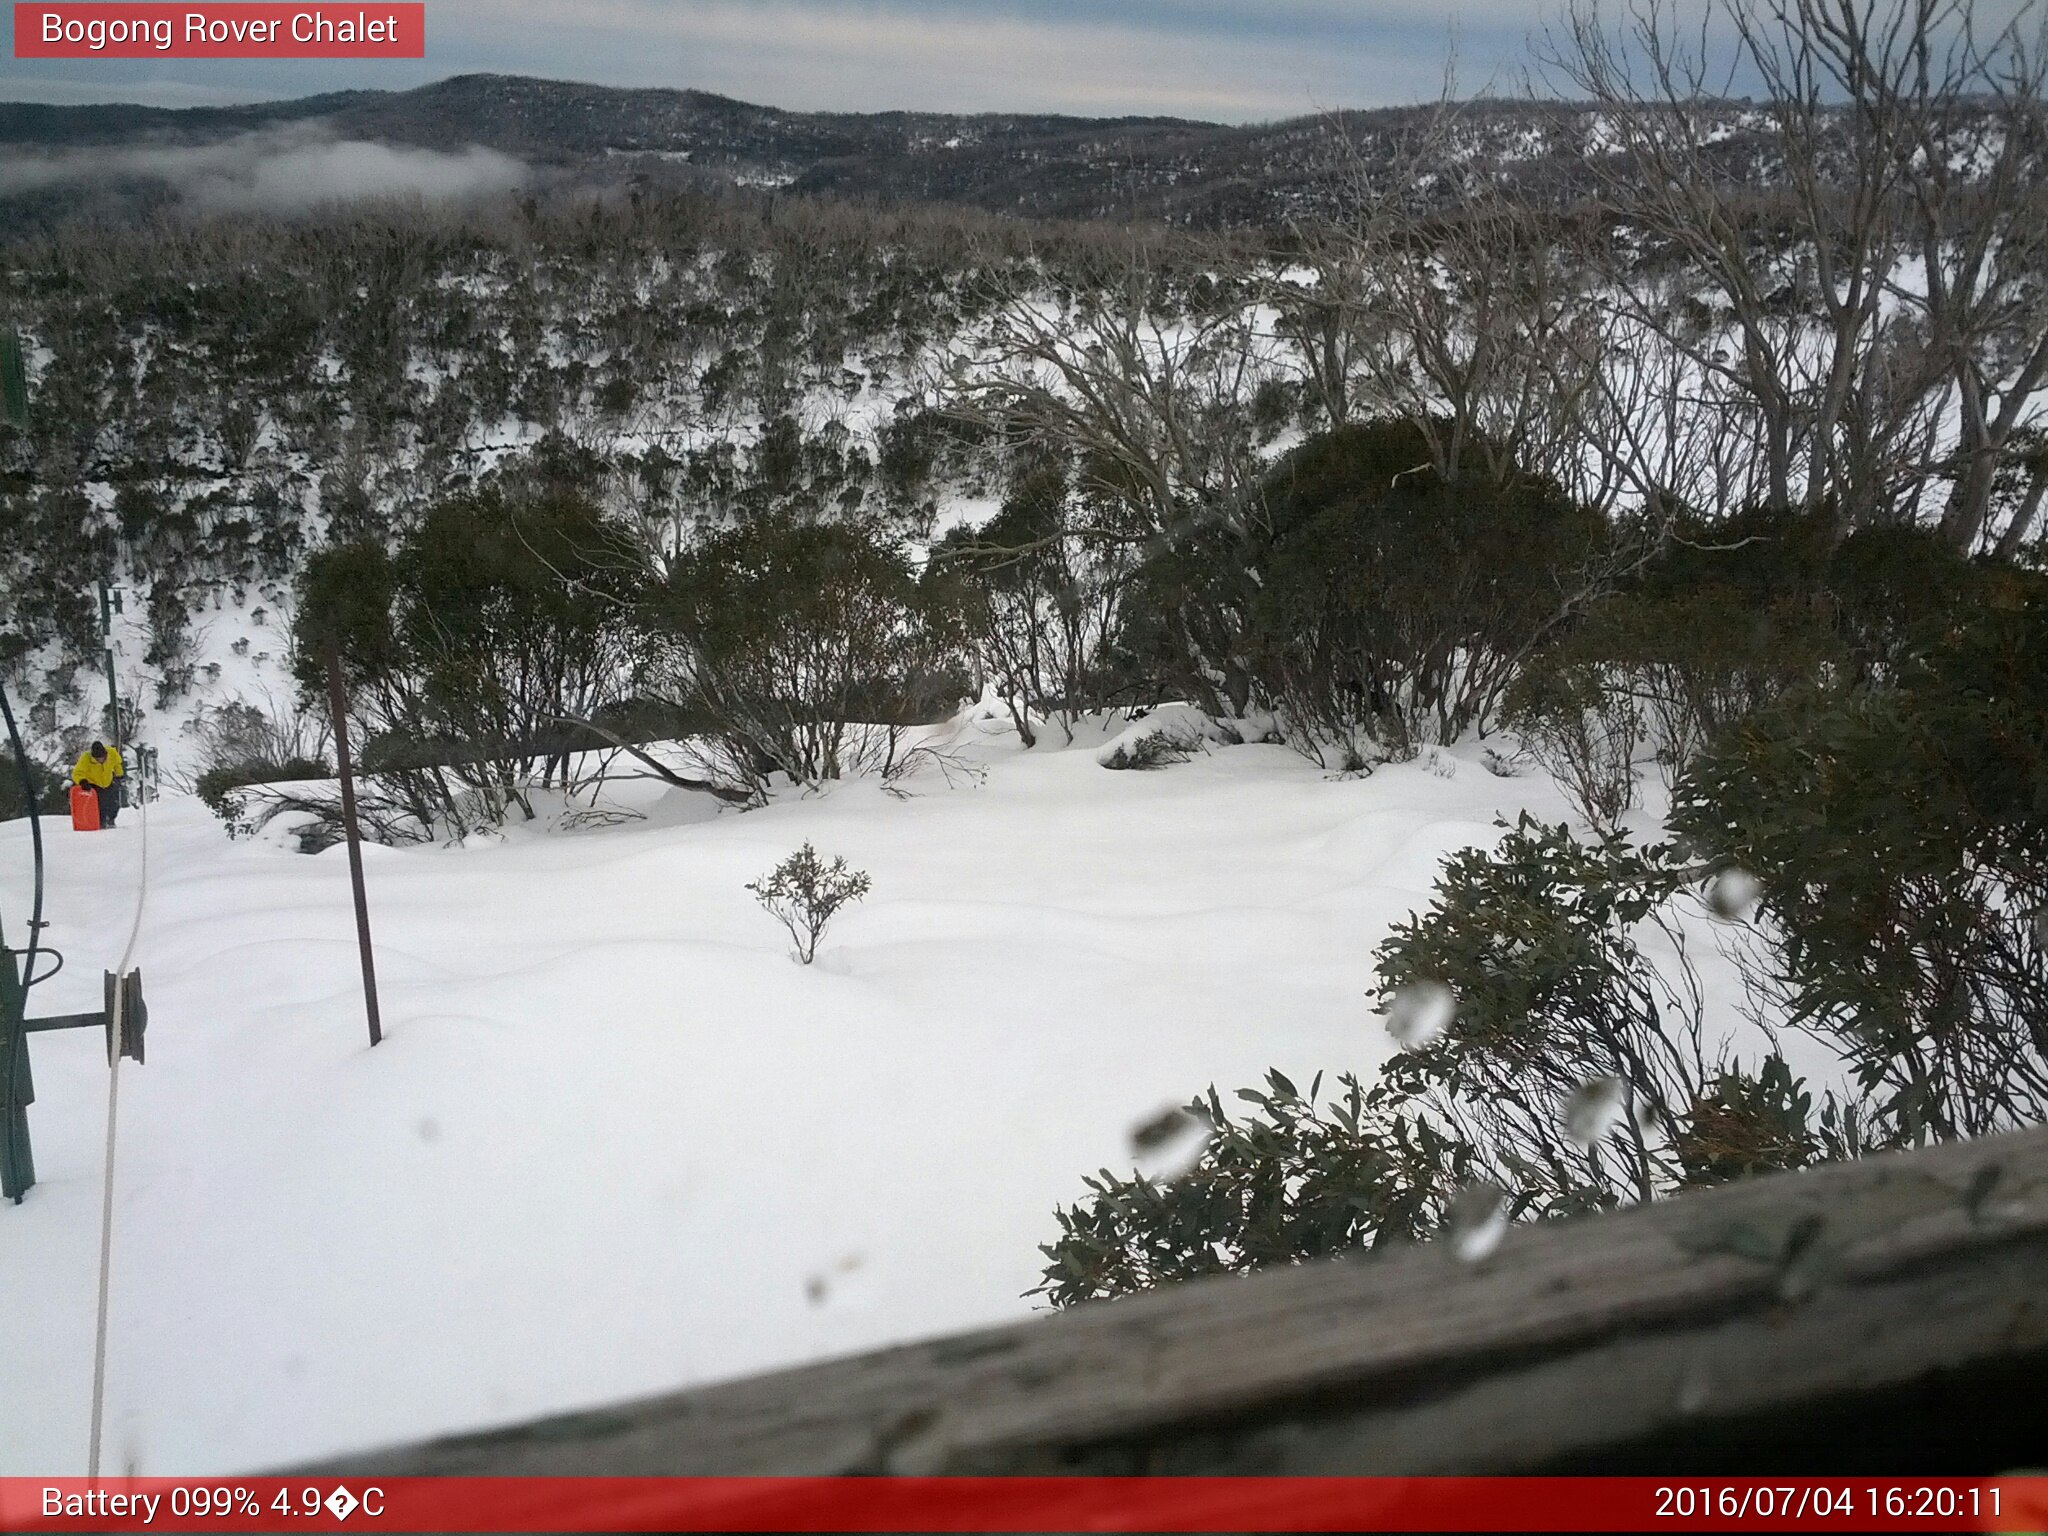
1477	1220
1651	1120
1419	1013
1169	1144
1161	1128
1592	1111
1732	895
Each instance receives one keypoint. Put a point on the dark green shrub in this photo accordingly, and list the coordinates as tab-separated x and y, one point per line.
1392	602
1300	1179
499	619
1536	940
1549	1067
1900	836
224	791
1746	1124
1896	590
48	788
216	786
1724	619
811	645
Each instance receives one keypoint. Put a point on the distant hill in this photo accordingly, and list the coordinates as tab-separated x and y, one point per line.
1045	165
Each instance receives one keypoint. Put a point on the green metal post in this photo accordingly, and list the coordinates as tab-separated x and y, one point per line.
109	606
17	1088
13	380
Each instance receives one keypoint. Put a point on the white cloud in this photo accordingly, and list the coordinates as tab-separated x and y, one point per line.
274	171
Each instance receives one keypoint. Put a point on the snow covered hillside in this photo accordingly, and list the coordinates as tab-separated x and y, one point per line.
616	1140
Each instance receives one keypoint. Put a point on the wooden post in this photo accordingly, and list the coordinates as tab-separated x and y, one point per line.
337	706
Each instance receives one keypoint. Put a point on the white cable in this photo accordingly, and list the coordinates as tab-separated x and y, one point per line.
99	1351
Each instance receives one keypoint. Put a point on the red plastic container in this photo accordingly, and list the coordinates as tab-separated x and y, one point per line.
85	808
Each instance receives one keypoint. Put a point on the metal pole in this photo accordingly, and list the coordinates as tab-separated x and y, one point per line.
107	652
17	1088
337	706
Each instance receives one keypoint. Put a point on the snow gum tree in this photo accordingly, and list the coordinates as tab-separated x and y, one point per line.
1048	602
809	645
468	648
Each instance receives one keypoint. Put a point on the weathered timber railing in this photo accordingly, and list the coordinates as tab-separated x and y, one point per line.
1889	1315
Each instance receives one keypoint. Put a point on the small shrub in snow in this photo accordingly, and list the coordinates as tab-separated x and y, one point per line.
803	892
1351	762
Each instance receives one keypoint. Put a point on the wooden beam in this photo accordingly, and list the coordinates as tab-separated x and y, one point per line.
1739	1318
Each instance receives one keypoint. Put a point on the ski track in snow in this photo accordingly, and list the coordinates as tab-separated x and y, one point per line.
616	1141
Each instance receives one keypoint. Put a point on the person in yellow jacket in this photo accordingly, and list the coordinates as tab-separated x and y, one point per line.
101	767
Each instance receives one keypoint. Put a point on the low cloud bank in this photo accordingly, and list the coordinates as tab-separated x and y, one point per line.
273	170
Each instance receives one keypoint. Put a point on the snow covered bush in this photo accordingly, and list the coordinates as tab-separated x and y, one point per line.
1149	750
803	893
1171	733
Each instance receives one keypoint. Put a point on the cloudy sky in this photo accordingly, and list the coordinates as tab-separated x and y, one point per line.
1234	60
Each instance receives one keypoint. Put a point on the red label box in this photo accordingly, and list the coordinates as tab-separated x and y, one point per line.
165	1506
365	29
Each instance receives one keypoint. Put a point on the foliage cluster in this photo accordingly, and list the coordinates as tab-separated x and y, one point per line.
1883	790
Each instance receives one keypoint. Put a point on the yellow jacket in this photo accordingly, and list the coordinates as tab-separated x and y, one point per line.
89	770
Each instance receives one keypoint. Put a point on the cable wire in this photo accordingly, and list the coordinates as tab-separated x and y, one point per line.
120	1036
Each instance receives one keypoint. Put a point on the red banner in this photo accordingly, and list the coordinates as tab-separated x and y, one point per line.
373	30
1026	1504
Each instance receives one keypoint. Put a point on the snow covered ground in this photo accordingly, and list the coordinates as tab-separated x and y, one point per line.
618	1142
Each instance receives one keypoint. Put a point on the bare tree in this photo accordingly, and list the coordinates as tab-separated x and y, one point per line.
1144	383
1834	324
